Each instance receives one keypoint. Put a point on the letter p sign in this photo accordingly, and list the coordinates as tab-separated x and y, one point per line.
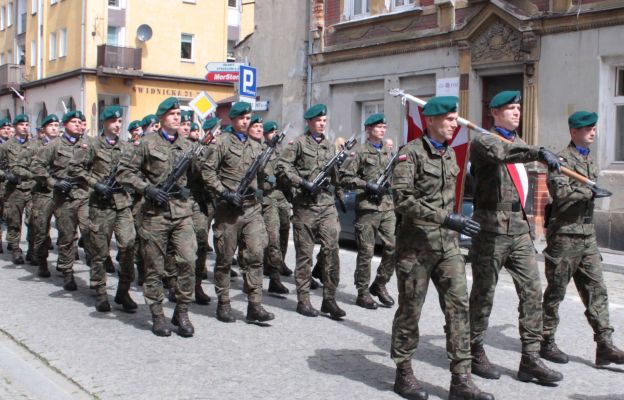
247	82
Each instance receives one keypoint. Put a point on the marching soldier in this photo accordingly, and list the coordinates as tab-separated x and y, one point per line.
109	210
428	249
238	216
51	167
505	240
150	124
572	252
4	137
314	213
208	200
134	131
165	218
374	213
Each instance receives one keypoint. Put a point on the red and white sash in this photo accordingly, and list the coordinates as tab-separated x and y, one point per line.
520	179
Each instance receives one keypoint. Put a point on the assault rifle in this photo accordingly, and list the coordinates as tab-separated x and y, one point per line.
111	182
322	179
385	176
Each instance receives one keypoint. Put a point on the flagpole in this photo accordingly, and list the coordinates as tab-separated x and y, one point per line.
565	171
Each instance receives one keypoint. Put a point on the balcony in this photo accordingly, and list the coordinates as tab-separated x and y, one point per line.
117	60
10	76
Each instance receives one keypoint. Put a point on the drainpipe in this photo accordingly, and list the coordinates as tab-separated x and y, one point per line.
309	54
83	32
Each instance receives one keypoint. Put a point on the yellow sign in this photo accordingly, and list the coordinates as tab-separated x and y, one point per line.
203	105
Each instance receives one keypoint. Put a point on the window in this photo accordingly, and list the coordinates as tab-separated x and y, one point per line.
62	43
33	53
53	1
9	58
2	16
230	50
2	59
186	47
232	3
21	55
619	115
33	6
52	55
113	3
9	16
360	7
403	4
113	36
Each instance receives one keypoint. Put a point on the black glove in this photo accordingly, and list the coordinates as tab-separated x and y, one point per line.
12	178
63	186
104	190
156	194
307	185
464	225
550	159
373	188
600	192
232	197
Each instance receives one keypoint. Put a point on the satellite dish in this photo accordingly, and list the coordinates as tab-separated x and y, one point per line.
144	33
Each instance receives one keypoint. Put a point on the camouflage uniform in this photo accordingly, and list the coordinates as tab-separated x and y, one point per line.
424	185
572	252
159	226
372	217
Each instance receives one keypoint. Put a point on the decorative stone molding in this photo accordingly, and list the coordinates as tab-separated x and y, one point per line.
499	42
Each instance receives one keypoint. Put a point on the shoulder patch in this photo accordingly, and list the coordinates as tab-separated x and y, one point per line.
291	142
84	145
403	157
136	143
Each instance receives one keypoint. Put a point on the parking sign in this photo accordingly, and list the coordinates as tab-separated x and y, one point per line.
247	81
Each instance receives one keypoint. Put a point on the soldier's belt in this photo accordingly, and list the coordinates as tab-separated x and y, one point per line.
582	220
506	206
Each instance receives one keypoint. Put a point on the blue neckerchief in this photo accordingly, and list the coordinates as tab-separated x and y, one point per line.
509	135
21	140
437	145
377	146
241	136
46	140
583	150
168	137
318	137
110	142
71	139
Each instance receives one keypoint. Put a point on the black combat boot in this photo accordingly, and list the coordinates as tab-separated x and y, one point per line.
366	301
549	351
276	285
29	256
607	353
140	275
378	288
314	284
159	327
200	296
69	283
257	313
463	388
481	365
171	295
101	302
123	298
77	254
406	385
317	272
532	367
305	308
285	270
43	270
233	273
109	266
330	307
209	249
181	320
18	257
224	312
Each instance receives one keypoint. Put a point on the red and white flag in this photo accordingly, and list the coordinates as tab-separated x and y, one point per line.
414	127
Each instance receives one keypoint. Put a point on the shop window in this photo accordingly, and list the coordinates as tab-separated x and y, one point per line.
186	47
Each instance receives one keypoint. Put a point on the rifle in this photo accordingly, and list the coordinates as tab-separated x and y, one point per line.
383	179
260	162
322	179
111	181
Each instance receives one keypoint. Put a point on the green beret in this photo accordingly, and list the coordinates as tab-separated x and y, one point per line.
255	119
506	97
375	119
582	119
20	118
227	129
111	112
440	105
210	123
134	125
317	110
4	122
269	126
148	120
194	127
73	114
48	119
170	103
185	116
239	108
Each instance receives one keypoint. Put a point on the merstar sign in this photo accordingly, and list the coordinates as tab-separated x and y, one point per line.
222	76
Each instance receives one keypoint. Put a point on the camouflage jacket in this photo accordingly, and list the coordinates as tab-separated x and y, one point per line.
572	202
424	191
97	165
496	198
149	165
52	163
303	158
366	164
201	194
16	158
41	188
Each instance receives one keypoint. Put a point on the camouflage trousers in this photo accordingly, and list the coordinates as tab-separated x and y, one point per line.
16	203
310	222
273	257
242	228
70	214
137	203
447	271
156	232
283	210
369	224
576	257
103	222
41	215
490	252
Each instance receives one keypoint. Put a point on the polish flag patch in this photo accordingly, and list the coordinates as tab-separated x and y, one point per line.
402	157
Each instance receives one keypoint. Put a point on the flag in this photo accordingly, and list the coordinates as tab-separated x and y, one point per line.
414	127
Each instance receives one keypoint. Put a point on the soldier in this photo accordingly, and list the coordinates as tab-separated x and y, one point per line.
572	251
43	202
4	137
314	212
504	240
238	216
51	167
374	213
134	131
165	218
16	154
109	210
428	249
208	200
150	124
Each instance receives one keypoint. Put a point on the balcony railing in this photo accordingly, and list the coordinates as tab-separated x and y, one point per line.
10	76
119	60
